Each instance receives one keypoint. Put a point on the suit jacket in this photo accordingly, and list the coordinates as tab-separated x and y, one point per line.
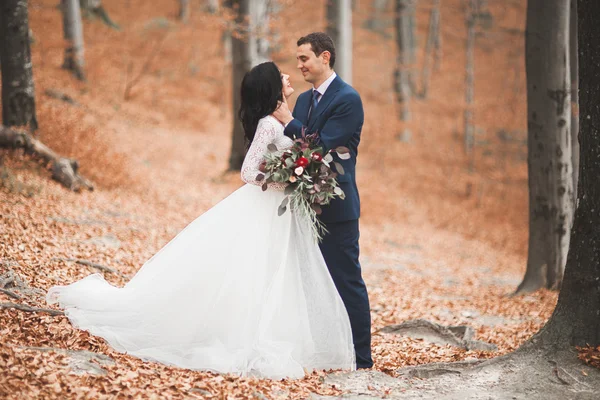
338	119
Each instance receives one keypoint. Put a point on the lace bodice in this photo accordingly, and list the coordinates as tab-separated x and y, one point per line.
269	130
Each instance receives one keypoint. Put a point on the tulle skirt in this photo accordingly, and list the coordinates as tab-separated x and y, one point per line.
240	290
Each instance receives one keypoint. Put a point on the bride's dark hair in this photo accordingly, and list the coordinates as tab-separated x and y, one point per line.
261	91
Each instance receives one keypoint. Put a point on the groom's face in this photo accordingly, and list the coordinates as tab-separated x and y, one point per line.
311	66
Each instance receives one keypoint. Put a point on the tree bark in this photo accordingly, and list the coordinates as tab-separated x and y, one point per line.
73	33
405	60
549	143
432	38
471	19
241	60
576	319
574	65
376	21
18	95
212	6
184	10
94	8
339	27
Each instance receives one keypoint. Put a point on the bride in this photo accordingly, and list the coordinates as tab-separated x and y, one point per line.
240	290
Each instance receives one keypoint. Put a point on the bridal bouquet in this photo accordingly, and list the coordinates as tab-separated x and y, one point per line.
311	181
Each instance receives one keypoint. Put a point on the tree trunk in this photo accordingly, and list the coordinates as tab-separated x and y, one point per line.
576	319
549	143
471	19
184	10
18	95
432	38
212	6
404	42
574	65
339	27
376	21
94	8
258	32
249	47
73	33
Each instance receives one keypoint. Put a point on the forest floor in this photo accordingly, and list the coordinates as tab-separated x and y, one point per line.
439	241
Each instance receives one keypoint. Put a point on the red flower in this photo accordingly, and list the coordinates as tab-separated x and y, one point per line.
302	162
317	156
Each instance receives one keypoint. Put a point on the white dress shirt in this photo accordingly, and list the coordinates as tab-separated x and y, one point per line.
325	85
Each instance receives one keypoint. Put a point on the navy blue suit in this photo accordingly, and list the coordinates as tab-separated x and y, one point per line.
338	119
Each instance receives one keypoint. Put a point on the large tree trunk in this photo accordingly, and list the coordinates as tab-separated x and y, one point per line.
404	26
249	47
339	27
18	95
549	143
73	33
574	65
576	319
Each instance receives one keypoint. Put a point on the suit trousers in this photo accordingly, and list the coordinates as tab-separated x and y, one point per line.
340	250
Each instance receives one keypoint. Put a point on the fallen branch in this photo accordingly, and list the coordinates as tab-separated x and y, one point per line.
90	264
26	308
64	170
10	294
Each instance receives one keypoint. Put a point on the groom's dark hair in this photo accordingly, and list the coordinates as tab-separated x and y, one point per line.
319	42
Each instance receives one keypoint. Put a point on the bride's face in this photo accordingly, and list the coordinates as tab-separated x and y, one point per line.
287	86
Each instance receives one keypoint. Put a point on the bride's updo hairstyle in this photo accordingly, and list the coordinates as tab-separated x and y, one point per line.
261	91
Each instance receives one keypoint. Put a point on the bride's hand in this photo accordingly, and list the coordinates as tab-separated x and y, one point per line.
282	113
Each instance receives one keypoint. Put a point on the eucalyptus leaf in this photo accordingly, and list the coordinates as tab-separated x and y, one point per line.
260	177
285	202
339	168
338	190
344	156
342	150
265	186
328	158
281	210
271	147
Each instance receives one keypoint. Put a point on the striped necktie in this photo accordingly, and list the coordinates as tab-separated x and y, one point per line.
315	102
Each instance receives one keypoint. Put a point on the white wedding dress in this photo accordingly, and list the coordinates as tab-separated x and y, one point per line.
240	290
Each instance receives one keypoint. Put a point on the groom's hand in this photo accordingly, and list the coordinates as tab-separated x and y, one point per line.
283	113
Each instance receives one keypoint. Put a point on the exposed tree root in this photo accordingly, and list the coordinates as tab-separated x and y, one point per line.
26	308
64	170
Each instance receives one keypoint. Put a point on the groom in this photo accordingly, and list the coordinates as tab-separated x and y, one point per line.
334	110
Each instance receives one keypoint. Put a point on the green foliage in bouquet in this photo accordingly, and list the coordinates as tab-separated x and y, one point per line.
310	178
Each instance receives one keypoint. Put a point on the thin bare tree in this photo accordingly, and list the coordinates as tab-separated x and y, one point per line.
403	82
73	34
184	10
339	27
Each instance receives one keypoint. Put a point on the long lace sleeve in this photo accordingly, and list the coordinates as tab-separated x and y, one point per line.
266	133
